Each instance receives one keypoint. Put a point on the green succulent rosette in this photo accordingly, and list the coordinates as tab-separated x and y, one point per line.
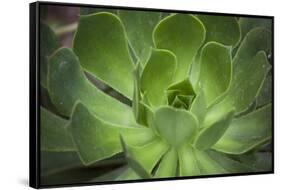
198	88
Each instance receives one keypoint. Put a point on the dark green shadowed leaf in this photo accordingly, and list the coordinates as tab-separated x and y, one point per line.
101	45
119	174
53	162
222	29
45	101
265	95
67	84
257	161
54	135
215	70
177	103
209	135
49	43
88	10
171	95
182	101
157	75
247	132
175	125
96	139
186	99
247	24
188	165
128	174
168	165
139	26
183	34
231	165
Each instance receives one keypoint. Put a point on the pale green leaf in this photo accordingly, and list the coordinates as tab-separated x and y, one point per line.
183	34
209	135
140	160
168	165
67	84
157	75
188	165
207	165
215	70
96	139
101	45
199	107
175	125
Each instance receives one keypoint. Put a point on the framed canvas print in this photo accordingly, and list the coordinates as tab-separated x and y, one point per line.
121	94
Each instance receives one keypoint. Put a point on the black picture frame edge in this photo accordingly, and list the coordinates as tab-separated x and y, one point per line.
34	133
34	95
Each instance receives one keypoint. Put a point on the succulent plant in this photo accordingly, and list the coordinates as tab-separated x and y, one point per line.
196	97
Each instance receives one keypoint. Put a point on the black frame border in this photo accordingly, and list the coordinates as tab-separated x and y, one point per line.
34	94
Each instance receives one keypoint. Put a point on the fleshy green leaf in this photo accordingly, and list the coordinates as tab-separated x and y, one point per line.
171	95
158	75
67	84
183	88
183	34
96	139
250	58
188	165
182	101
216	70
139	109
207	165
209	135
128	174
101	45
247	132
174	125
241	94
222	29
199	107
141	161
49	43
139	26
186	99
54	135
168	165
